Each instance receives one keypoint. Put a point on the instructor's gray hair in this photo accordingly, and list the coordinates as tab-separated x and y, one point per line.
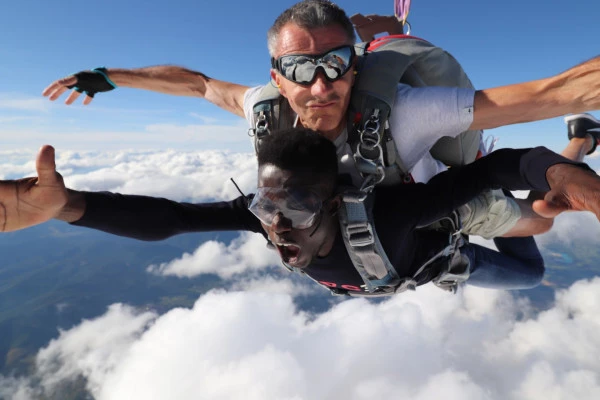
310	14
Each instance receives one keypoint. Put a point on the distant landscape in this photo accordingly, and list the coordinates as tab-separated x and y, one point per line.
54	275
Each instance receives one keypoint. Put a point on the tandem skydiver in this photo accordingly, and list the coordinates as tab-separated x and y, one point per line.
297	204
319	96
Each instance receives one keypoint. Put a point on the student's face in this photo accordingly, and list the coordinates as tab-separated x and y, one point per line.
320	105
288	200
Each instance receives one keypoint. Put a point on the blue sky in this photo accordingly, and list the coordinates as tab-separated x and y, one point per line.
497	43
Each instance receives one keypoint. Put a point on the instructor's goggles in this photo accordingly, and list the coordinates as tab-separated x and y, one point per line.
302	68
300	206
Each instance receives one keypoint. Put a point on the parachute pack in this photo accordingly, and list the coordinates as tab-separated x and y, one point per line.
382	63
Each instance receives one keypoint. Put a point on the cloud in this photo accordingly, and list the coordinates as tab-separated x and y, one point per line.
198	132
17	389
23	103
17	164
203	118
572	227
247	253
269	284
257	345
178	175
6	120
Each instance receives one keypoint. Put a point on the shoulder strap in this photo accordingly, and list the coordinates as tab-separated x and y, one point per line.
363	245
271	112
372	99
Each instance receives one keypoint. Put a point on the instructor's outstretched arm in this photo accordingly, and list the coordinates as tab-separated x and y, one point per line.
168	79
574	91
30	201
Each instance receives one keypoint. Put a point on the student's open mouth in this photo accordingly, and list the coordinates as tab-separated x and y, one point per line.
289	252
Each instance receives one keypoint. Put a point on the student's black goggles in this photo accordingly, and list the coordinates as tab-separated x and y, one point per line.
301	207
302	68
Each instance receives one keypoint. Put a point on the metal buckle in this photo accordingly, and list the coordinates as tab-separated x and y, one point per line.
360	234
372	169
262	125
354	196
451	278
407	284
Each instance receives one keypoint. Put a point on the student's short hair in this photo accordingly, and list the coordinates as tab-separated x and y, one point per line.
302	151
311	14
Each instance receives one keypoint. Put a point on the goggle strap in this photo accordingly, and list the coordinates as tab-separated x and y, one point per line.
239	190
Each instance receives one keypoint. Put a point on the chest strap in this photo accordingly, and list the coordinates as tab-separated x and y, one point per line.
362	243
450	267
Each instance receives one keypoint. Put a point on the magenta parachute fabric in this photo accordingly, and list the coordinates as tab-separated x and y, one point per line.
401	8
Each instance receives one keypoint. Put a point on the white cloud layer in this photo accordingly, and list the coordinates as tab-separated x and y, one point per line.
177	175
571	227
21	102
190	176
479	344
245	254
255	345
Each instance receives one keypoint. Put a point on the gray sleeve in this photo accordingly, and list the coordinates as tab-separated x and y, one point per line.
421	116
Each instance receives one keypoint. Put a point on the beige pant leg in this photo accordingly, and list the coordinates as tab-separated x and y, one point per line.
489	215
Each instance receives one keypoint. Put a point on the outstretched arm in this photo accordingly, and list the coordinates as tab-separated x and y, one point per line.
31	201
573	91
570	185
168	79
571	189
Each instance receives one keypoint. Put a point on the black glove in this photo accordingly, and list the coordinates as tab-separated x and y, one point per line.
92	82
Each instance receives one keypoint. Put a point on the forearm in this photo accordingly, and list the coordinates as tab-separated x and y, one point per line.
573	91
513	169
179	81
151	218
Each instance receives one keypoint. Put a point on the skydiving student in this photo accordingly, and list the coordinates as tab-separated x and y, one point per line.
312	35
296	208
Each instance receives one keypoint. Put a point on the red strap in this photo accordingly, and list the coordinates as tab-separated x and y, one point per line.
385	39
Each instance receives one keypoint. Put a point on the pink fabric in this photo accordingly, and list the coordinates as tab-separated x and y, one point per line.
401	8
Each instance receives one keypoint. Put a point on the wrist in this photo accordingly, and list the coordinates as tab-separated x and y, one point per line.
74	209
563	173
119	76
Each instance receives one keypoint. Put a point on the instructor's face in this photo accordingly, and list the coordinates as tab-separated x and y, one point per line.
282	192
320	105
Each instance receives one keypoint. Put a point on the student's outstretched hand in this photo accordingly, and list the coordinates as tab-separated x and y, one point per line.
31	201
572	188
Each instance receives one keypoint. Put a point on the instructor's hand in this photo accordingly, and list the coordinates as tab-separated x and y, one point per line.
572	188
31	201
88	82
57	88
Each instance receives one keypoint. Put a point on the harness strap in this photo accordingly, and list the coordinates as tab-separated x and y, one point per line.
456	270
272	112
371	262
363	245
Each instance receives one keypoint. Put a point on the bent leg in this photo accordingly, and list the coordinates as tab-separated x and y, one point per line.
489	215
530	222
517	265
